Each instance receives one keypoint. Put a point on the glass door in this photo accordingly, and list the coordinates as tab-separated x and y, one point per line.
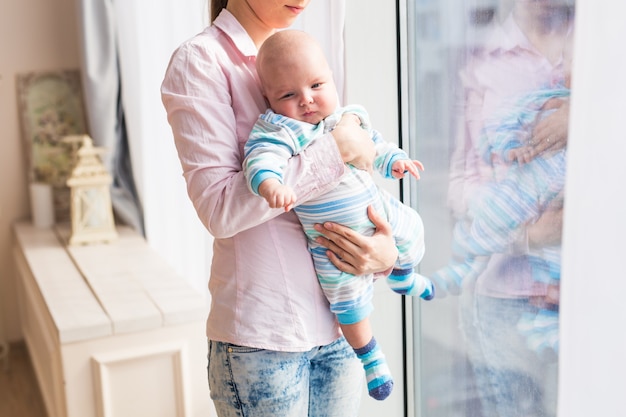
486	111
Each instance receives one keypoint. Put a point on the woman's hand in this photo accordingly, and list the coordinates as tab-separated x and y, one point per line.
547	230
550	300
356	254
551	132
354	143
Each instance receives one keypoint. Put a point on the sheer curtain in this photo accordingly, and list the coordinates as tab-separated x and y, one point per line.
128	44
104	107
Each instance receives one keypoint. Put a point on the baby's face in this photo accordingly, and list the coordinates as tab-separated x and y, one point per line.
302	89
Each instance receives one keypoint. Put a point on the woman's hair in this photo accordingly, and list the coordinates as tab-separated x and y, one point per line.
216	8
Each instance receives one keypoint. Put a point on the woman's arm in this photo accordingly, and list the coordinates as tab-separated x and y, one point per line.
551	132
350	251
355	144
356	254
210	127
548	229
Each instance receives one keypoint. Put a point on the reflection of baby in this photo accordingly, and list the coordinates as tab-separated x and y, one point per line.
298	84
502	209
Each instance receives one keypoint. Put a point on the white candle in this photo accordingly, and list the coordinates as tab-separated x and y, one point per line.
41	204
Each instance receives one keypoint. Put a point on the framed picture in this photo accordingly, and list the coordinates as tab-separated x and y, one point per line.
51	107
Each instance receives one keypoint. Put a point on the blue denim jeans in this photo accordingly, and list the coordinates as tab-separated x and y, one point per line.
512	380
326	381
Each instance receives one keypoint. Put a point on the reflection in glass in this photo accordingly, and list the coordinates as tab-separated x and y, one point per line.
489	85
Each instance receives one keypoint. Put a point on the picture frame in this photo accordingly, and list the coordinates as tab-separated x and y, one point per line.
51	107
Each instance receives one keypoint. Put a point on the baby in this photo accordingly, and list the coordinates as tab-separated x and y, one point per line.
298	84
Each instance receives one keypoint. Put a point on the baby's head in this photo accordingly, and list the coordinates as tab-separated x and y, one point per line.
295	77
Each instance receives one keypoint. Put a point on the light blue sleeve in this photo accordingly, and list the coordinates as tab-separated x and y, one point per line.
266	154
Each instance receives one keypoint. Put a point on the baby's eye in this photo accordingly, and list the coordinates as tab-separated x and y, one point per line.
286	96
316	85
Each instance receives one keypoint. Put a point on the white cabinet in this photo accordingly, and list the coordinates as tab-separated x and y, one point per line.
111	330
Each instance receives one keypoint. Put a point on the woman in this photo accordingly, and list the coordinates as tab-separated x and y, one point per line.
274	347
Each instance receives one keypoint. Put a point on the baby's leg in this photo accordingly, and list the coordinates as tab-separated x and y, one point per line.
350	298
408	231
451	277
408	282
359	336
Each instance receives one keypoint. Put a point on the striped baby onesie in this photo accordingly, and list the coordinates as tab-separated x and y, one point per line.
276	138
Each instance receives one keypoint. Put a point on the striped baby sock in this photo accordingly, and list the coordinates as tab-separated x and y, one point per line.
377	373
407	282
541	330
450	278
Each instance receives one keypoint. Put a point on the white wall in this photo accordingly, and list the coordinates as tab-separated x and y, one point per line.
593	339
34	36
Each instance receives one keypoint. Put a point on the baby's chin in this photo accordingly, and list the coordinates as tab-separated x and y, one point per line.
312	118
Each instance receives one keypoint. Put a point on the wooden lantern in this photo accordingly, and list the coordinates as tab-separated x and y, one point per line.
91	211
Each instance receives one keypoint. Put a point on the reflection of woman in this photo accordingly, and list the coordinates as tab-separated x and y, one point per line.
521	55
274	346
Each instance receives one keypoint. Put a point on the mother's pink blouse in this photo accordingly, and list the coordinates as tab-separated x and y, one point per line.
264	292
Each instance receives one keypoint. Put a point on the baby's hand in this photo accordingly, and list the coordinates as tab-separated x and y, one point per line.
403	166
521	155
277	195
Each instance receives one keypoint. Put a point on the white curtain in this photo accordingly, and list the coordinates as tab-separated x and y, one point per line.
139	38
148	33
104	107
